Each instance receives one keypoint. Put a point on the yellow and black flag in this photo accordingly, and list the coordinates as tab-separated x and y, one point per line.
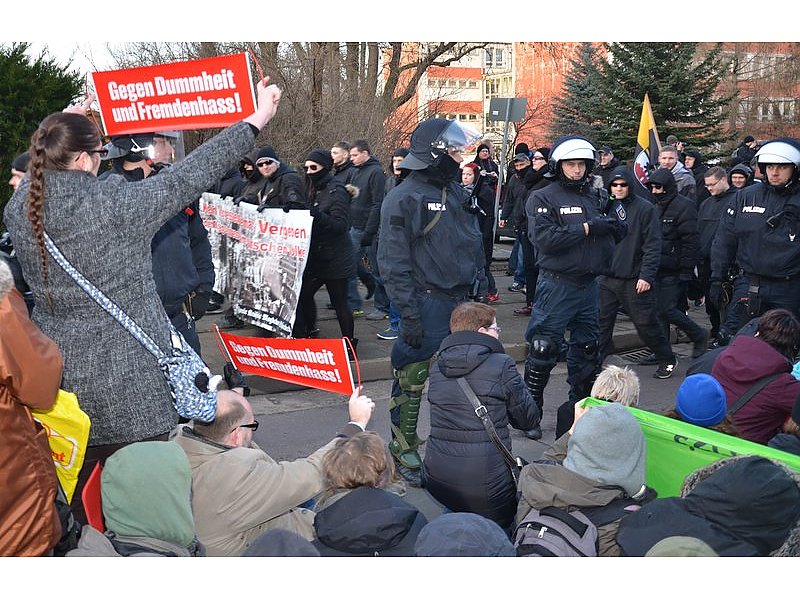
647	144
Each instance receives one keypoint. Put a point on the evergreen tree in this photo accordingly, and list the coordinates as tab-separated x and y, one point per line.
683	93
30	89
575	111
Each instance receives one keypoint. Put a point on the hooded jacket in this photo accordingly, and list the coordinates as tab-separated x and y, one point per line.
638	255
741	506
684	180
117	380
365	209
367	521
708	218
514	203
463	468
30	373
331	250
146	491
738	367
680	242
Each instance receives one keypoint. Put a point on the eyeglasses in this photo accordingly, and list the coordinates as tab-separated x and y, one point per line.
621	184
710	185
101	152
655	186
496	328
312	168
253	425
538	158
264	162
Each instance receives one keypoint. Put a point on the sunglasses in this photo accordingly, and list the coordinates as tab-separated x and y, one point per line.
264	162
312	168
538	158
655	186
621	184
101	152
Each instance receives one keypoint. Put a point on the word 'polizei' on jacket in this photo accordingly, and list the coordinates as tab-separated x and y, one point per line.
745	237
446	259
556	216
463	468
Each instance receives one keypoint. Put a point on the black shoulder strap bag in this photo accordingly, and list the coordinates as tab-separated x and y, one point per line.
514	464
754	389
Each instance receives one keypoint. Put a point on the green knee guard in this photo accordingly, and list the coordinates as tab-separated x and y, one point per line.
405	442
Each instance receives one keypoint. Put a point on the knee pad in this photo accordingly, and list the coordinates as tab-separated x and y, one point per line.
412	377
542	354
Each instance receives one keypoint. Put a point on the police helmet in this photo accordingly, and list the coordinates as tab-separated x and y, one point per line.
779	151
572	148
434	138
134	147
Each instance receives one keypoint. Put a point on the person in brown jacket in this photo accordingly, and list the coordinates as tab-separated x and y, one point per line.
30	375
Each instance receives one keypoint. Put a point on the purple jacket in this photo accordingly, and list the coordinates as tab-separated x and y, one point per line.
745	361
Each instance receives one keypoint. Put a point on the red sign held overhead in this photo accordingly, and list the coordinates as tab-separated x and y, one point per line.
317	363
195	94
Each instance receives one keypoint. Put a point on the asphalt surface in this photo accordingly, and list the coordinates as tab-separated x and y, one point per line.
295	421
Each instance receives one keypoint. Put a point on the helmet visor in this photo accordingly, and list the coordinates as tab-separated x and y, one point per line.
456	137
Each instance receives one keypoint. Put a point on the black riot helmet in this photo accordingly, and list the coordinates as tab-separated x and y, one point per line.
132	147
432	142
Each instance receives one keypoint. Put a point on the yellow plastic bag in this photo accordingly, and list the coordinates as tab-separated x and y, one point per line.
67	428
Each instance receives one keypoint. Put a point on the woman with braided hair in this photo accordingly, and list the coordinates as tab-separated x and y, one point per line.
104	228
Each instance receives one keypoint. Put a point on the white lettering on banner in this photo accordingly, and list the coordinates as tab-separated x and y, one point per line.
754	209
201	83
570	210
130	91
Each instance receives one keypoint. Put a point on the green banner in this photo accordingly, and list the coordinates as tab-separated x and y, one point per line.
675	449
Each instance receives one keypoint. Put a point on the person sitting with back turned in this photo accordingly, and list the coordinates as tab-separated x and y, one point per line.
239	491
463	469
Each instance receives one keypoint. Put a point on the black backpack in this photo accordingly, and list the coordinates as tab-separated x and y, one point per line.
553	531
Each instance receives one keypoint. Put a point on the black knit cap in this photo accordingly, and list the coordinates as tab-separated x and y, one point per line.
21	162
321	157
267	152
400	152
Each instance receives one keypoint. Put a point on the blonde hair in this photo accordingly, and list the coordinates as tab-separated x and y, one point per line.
354	462
615	384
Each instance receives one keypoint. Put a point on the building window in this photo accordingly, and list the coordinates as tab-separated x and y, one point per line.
498	57
473	84
488	57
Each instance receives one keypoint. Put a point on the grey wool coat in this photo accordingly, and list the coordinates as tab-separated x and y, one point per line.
104	228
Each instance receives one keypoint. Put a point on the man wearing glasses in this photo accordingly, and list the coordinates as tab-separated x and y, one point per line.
283	187
238	491
629	283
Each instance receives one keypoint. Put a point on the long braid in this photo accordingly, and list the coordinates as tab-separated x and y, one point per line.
36	202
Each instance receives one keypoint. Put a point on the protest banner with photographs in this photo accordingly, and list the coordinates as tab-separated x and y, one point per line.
194	94
317	363
259	259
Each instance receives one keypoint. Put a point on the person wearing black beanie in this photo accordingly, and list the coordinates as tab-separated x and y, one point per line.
330	258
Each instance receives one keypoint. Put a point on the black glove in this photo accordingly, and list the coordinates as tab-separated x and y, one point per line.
602	225
198	303
412	332
314	210
234	378
716	294
262	207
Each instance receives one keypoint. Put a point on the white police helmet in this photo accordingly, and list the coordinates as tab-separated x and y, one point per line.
572	148
779	151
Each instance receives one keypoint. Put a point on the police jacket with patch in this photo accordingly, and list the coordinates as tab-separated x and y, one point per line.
556	215
463	469
444	259
745	237
638	255
331	252
680	242
708	218
284	189
365	210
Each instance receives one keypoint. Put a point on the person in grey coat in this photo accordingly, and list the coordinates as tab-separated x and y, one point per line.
104	228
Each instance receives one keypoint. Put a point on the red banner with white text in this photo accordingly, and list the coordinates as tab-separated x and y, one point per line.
194	94
316	363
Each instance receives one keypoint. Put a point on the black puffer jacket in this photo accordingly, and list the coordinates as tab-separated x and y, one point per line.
680	240
743	506
284	189
367	522
331	252
463	469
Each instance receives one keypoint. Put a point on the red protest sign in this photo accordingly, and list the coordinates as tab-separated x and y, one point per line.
194	94
317	363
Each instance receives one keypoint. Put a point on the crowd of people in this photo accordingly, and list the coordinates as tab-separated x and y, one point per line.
591	243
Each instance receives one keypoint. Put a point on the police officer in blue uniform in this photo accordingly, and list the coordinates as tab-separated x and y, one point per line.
574	228
759	232
430	253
